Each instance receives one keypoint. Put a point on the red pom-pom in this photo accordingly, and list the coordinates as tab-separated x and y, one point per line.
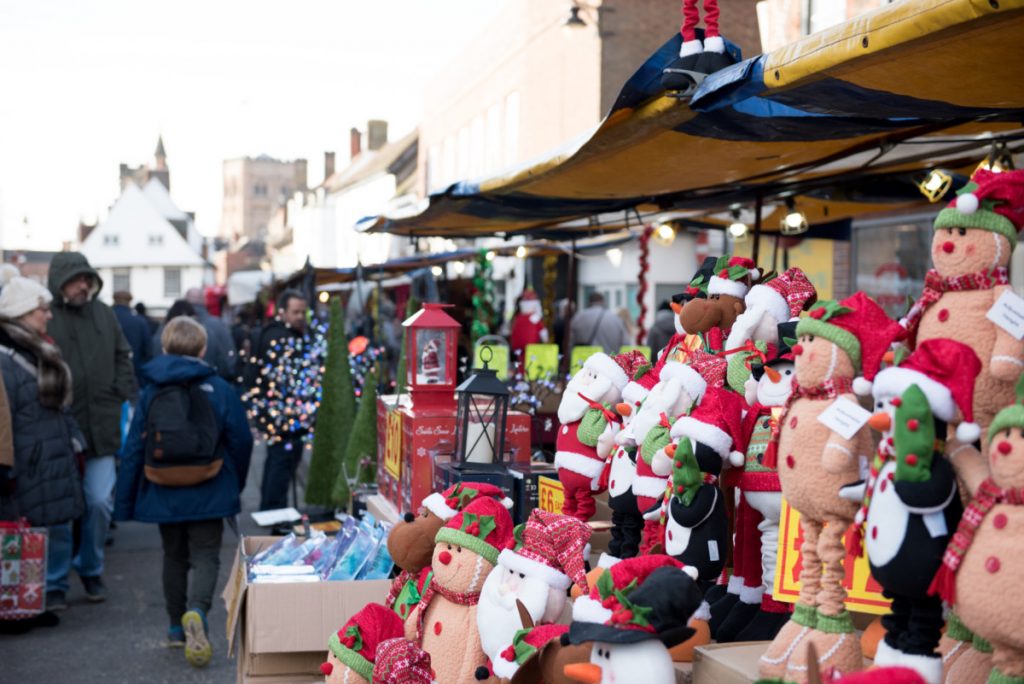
509	654
911	459
896	401
817	313
913	424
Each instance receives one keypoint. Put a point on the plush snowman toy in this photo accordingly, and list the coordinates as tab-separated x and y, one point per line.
644	617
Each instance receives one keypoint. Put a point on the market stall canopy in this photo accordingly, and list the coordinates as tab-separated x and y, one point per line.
912	86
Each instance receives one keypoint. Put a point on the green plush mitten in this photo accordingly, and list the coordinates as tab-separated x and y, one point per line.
591	426
914	437
657	437
686	475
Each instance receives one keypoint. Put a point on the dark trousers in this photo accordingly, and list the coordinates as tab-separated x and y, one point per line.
282	461
627	526
190	546
914	625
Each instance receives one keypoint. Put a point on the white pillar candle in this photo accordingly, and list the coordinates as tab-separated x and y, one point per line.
479	442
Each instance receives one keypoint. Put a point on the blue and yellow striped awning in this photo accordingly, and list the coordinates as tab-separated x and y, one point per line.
869	103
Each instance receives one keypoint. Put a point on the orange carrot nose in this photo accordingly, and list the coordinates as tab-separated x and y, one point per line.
624	409
888	357
588	673
772	374
670	450
676	307
880	421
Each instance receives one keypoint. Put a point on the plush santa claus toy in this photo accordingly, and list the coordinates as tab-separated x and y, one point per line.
627	518
638	610
911	505
537	575
400	661
411	541
528	325
352	651
974	239
587	432
444	623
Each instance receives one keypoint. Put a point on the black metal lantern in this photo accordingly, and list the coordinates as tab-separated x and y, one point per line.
483	410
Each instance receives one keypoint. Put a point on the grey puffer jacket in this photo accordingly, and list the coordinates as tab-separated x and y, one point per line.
48	488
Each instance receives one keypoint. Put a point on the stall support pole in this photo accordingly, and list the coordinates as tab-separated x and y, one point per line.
570	310
757	228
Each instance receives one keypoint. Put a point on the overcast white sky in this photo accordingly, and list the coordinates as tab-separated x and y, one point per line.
88	84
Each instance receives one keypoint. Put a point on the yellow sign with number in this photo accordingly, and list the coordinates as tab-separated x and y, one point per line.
393	445
864	594
550	494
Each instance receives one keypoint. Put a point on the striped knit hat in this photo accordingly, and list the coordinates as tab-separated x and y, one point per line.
991	201
552	550
400	661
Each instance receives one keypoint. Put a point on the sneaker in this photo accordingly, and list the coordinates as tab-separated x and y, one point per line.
56	601
197	646
95	590
175	637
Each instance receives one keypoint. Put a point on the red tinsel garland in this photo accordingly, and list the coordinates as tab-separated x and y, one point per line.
641	292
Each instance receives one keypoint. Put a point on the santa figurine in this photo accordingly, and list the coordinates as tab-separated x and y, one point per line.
411	542
352	651
536	575
912	506
696	59
527	325
444	623
638	610
430	363
400	661
589	423
627	518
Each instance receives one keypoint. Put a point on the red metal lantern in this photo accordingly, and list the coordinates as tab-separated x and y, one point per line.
431	344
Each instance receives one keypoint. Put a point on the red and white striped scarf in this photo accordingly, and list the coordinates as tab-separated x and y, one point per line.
985	499
935	285
469	598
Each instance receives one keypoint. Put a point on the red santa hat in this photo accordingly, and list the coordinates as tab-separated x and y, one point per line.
483	526
783	297
858	326
552	550
400	661
643	381
991	201
356	643
529	294
445	505
591	608
687	375
609	367
733	277
945	370
716	422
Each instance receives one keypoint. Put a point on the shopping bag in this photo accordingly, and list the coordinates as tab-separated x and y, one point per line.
22	570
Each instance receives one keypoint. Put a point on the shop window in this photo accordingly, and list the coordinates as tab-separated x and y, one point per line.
172	282
122	280
891	258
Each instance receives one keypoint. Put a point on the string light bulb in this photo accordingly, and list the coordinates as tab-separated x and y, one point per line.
998	160
794	222
738	229
521	252
665	234
935	185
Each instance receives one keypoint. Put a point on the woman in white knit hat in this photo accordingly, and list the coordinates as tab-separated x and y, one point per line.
47	487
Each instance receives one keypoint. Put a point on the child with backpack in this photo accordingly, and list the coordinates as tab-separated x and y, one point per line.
183	467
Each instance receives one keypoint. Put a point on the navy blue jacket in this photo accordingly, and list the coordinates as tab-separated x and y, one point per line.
139	499
136	331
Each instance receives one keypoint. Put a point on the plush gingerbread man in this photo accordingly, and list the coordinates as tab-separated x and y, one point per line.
984	563
974	239
837	343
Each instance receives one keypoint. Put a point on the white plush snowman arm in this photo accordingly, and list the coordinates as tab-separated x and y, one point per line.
606	440
853	491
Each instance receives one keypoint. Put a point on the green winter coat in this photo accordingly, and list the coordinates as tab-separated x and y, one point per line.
98	354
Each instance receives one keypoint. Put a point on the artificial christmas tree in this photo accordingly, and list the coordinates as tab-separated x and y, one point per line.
360	462
337	411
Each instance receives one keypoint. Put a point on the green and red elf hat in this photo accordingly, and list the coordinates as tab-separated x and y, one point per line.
858	326
526	644
448	503
991	201
655	606
356	643
484	527
733	276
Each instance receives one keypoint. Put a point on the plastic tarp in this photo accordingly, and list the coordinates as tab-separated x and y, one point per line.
914	85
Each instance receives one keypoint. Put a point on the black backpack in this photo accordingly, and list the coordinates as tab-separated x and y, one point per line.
182	437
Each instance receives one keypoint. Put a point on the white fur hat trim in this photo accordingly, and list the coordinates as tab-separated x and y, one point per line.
692	381
606	366
586	609
768	299
553	578
714	437
727	287
892	382
436	505
634	392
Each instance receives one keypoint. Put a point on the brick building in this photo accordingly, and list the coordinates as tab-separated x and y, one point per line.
253	190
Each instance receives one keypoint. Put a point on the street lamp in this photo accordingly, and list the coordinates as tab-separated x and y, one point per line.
482	414
574	20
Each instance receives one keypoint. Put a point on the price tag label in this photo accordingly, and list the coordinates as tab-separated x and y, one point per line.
844	417
393	446
1008	314
550	494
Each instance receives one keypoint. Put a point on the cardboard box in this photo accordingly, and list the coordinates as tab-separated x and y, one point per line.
277	628
728	663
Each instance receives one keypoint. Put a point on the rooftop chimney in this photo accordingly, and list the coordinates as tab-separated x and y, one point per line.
355	143
328	165
377	134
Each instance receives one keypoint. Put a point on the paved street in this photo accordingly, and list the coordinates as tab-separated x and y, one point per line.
121	640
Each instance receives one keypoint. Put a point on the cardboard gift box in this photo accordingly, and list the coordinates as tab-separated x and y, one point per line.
280	631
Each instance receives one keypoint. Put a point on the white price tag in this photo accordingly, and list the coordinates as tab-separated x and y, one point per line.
844	417
1008	313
